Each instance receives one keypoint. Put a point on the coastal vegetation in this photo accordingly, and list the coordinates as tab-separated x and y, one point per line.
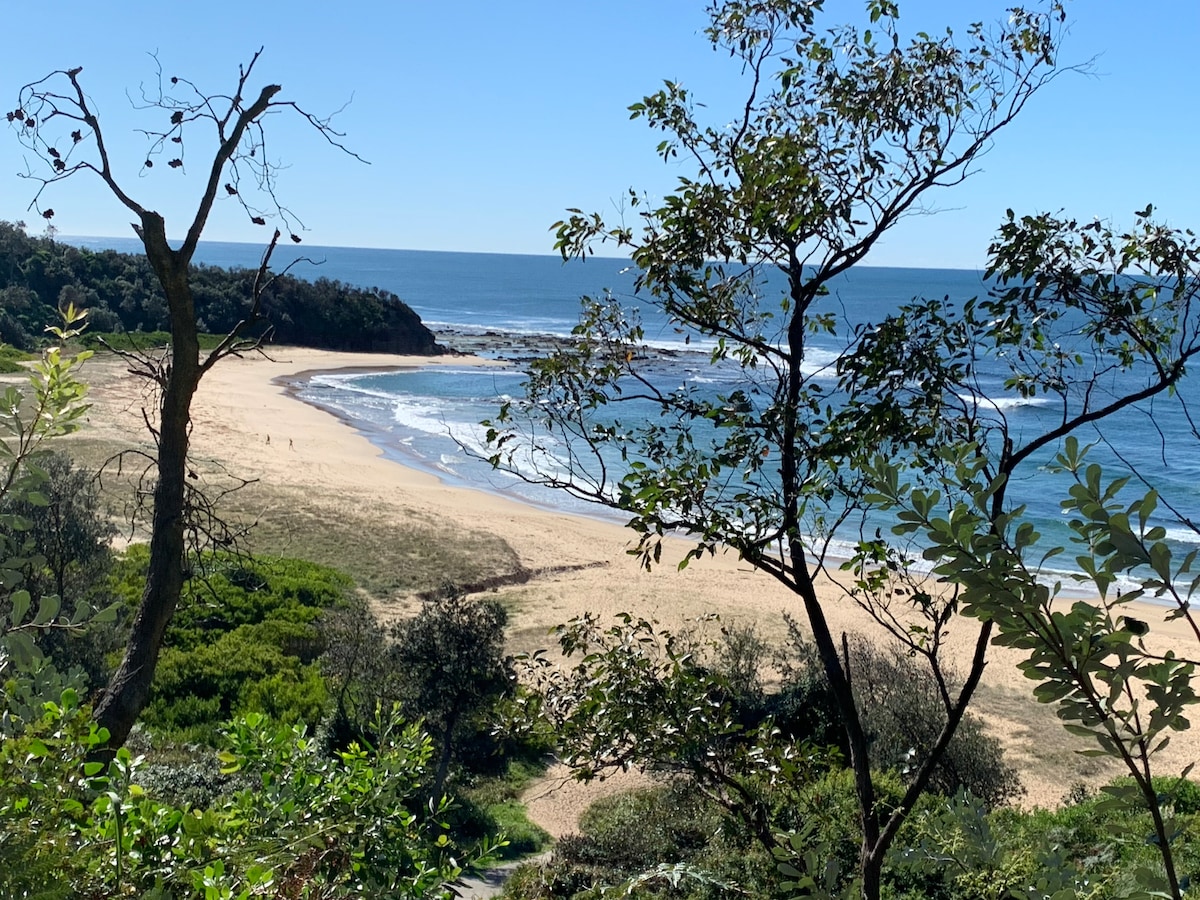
215	800
48	114
189	719
127	309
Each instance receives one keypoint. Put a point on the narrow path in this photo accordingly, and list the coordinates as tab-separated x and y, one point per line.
490	883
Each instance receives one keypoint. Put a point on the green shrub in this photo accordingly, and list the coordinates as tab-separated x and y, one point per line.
302	822
620	837
630	835
1101	842
244	640
242	671
1179	794
902	714
637	830
949	850
63	535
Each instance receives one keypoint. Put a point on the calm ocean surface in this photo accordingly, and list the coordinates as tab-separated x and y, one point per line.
424	417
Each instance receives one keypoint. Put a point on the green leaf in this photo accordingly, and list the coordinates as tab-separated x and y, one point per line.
106	615
20	605
22	649
48	610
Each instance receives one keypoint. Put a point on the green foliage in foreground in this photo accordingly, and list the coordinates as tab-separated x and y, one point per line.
51	404
304	823
1092	847
672	843
243	640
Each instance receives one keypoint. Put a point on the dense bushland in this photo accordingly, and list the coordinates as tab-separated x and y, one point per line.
300	821
246	647
675	844
122	294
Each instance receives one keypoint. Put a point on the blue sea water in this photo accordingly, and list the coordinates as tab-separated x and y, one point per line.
429	417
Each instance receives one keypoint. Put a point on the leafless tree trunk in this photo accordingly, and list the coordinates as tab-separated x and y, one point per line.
238	122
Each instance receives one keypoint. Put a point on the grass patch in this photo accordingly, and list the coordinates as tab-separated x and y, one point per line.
140	340
11	359
1049	749
414	552
417	553
494	805
524	837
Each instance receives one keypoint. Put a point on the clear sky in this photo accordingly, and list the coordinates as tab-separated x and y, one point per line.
483	121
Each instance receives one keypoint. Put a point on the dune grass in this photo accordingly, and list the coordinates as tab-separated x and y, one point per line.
402	555
11	359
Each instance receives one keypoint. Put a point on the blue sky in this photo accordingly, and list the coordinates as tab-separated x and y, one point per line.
482	121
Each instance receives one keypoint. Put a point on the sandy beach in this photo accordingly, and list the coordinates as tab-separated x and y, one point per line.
245	419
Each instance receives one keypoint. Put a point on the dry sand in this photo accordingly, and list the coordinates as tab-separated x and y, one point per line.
244	416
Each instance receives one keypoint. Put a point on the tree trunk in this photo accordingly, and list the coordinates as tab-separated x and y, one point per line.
129	689
443	769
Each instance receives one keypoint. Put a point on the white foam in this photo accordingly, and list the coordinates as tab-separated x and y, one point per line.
420	415
1003	404
820	363
1183	535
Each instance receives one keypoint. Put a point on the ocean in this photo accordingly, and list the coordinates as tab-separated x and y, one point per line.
430	418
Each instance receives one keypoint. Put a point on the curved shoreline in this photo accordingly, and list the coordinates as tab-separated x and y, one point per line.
398	452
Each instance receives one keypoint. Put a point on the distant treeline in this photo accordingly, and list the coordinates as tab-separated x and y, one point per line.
38	275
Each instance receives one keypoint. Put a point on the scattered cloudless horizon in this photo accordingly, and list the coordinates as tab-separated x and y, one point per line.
483	122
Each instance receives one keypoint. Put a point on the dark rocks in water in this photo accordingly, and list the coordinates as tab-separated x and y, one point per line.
520	349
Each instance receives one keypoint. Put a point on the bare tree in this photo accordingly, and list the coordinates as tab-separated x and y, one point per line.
56	120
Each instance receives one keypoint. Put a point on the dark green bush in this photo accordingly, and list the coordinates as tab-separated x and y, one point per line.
65	539
630	834
622	836
1180	794
244	640
445	666
637	830
902	714
242	671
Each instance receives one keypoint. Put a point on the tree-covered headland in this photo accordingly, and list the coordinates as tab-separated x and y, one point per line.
38	275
